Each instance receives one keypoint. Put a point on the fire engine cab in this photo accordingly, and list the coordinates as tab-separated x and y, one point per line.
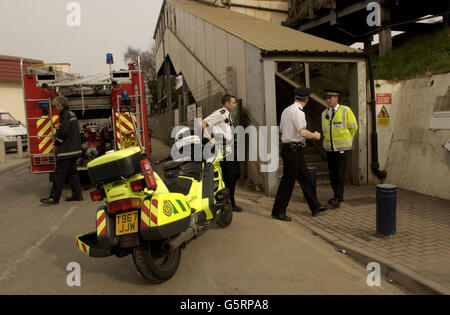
105	122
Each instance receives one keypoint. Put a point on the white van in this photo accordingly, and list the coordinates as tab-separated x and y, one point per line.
10	129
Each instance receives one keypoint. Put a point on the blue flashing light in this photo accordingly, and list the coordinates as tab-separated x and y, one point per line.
125	98
124	95
109	59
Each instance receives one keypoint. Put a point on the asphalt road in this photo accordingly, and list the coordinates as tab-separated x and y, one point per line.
254	255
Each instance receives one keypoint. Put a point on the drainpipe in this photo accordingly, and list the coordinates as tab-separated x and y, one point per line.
375	166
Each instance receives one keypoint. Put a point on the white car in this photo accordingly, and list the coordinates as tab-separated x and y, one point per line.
10	129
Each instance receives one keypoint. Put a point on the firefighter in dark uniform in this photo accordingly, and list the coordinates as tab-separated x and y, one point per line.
68	149
293	136
220	122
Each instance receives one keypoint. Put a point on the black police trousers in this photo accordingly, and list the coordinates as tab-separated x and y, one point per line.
294	168
66	169
230	174
337	167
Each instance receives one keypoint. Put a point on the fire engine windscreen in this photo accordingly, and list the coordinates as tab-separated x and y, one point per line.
97	139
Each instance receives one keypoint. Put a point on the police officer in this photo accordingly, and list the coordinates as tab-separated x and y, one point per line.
68	149
293	137
220	122
339	127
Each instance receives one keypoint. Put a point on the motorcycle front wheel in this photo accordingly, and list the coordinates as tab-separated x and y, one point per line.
156	268
226	215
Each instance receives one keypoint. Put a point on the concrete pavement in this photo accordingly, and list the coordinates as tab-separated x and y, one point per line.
417	256
254	255
14	162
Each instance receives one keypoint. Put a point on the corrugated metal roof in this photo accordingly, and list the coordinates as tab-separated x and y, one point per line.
264	35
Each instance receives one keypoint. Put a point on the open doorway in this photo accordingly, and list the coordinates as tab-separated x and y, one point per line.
318	76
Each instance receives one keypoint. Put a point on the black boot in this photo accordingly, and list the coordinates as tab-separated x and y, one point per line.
49	201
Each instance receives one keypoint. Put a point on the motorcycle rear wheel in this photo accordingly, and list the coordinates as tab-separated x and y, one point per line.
226	215
156	269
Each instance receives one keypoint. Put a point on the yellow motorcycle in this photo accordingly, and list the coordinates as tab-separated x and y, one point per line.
153	225
151	218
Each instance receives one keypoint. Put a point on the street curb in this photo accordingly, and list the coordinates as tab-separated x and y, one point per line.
404	276
13	168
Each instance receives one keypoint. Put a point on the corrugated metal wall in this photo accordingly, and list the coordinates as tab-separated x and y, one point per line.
160	125
203	57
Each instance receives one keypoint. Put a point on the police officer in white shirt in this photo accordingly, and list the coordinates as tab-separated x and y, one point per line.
293	136
220	122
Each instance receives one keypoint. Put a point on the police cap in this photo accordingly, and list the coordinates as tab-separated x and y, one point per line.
302	92
329	93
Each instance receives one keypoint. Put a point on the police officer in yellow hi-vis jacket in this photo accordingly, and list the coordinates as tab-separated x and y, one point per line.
339	127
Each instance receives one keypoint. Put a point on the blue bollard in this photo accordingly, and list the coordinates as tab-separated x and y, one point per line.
313	174
386	209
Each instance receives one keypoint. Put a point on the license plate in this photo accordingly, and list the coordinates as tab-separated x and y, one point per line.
127	223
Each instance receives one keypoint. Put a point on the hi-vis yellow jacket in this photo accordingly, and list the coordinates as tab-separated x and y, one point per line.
340	133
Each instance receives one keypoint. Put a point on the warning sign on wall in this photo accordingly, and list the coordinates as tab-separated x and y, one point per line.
384	98
383	113
384	102
440	120
383	118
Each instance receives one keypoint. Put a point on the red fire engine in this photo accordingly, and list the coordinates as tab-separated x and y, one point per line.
105	123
